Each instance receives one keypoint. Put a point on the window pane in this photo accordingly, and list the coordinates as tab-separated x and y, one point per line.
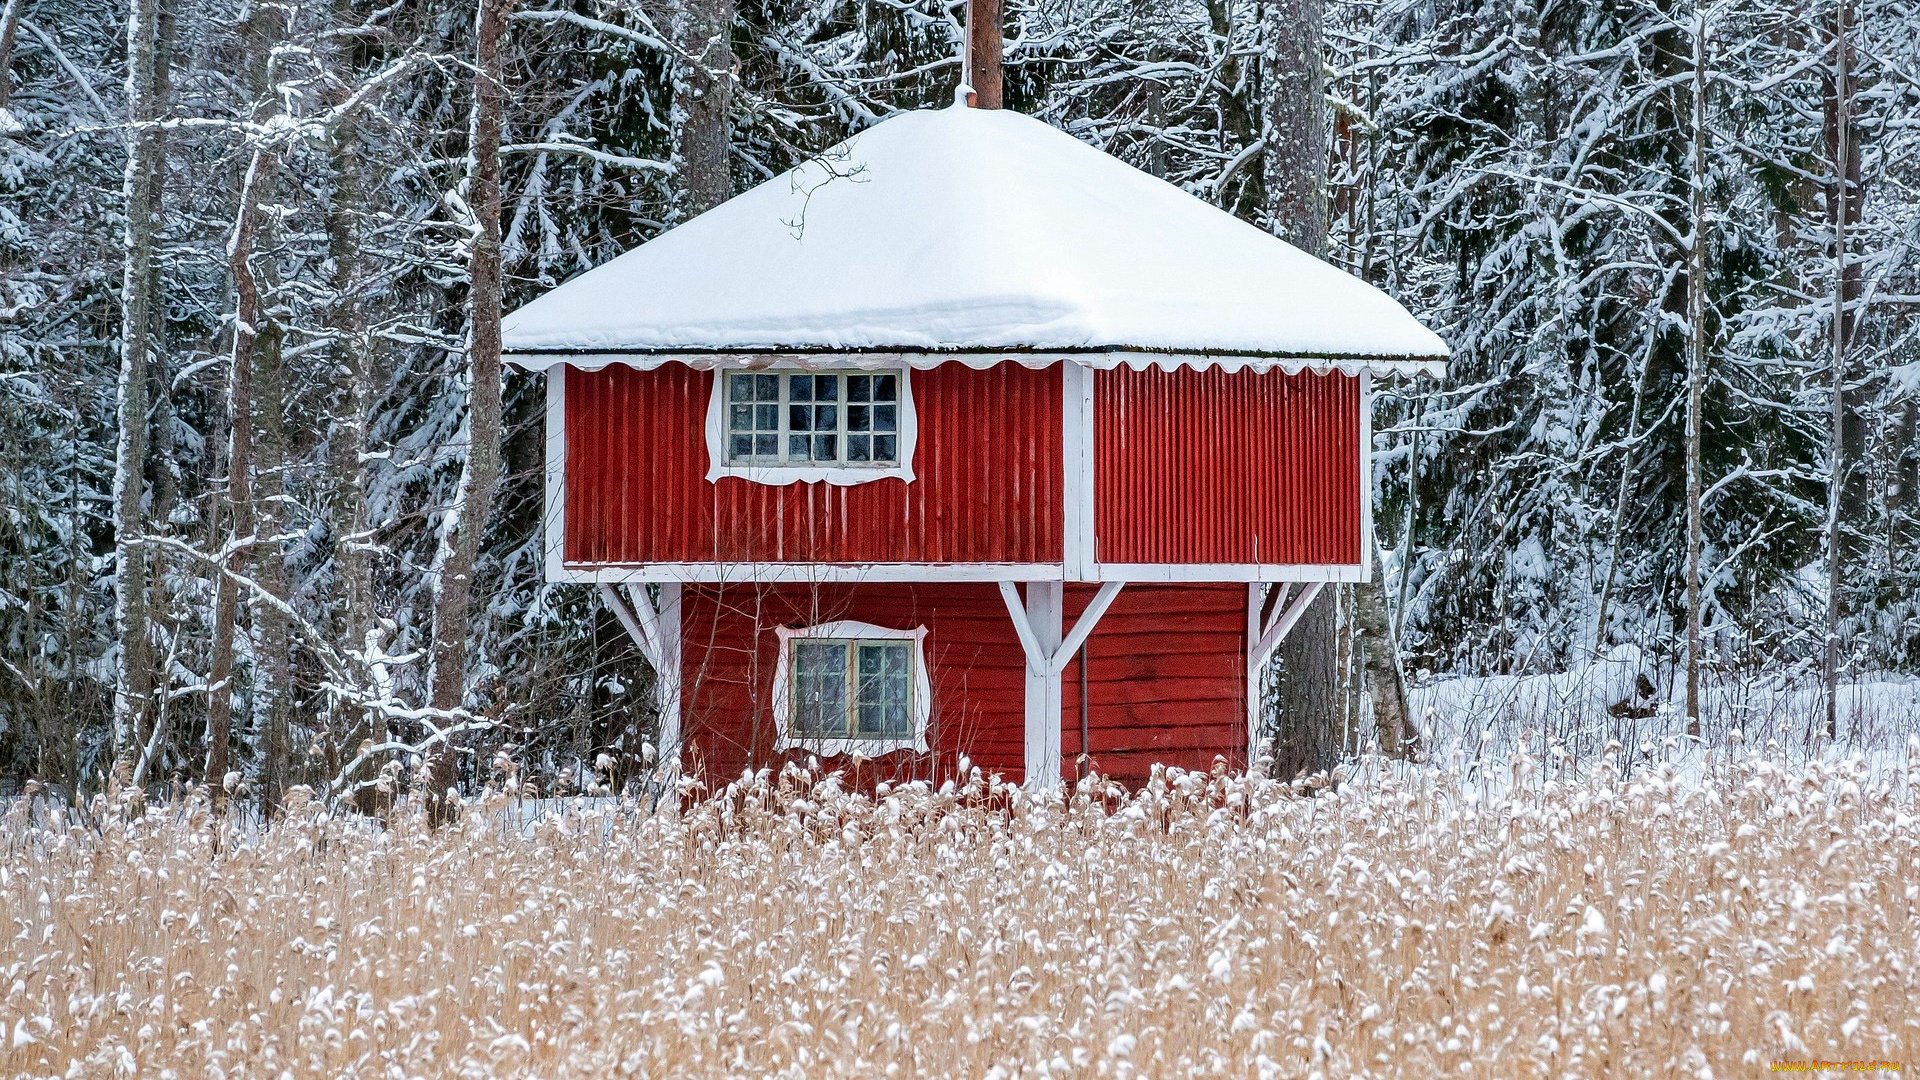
819	688
859	388
859	447
766	417
741	417
882	685
766	445
826	388
884	388
799	388
800	417
766	387
826	417
742	446
884	418
823	447
799	447
740	387
884	448
859	418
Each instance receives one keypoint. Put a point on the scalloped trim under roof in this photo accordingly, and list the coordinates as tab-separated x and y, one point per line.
953	233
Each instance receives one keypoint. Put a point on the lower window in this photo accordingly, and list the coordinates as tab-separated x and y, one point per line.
851	688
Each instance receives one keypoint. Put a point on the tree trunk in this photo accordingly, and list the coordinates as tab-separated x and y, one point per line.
465	523
1696	368
702	114
1306	696
274	638
1846	495
1380	654
986	29
133	682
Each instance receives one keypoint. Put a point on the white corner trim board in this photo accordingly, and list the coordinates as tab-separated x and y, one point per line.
922	705
837	475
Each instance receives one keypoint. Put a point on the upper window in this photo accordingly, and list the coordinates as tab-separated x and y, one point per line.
813	418
848	687
843	427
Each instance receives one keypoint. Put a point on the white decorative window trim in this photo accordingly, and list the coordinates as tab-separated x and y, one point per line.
718	464
922	704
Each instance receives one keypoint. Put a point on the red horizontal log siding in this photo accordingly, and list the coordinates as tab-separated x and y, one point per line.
975	666
1227	467
987	489
1165	675
1166	680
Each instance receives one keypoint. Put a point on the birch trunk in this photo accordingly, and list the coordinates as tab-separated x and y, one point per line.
133	681
274	637
466	519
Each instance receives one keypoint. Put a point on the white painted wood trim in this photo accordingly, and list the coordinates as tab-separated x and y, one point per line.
1083	626
837	475
1275	634
1366	476
1022	626
630	621
784	739
1228	572
554	519
1077	453
808	359
807	573
1256	600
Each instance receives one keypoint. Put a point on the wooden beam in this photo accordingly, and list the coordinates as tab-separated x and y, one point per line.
631	622
1083	626
1277	633
1022	628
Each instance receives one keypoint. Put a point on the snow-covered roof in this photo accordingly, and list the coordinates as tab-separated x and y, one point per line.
972	234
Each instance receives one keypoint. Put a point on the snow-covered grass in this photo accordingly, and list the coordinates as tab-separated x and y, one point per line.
1583	924
1478	723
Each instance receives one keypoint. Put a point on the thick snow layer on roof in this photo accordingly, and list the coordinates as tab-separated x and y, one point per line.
965	230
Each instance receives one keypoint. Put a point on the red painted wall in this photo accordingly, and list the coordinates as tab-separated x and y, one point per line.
987	489
1218	467
1165	675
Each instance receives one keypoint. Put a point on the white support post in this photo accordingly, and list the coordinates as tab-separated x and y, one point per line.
1256	603
1076	445
1366	475
1037	622
655	630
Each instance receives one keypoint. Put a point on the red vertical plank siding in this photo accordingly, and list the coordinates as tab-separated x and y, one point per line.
988	486
1166	675
1213	466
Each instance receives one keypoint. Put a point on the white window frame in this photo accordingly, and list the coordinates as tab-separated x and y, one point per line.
920	710
840	474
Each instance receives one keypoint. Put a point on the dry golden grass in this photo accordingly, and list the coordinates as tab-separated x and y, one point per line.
1209	926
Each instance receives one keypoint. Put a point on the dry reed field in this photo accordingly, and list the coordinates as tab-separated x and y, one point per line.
1576	924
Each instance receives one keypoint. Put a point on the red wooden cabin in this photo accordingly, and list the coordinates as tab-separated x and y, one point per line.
962	439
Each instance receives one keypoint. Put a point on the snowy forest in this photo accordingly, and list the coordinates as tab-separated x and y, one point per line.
260	523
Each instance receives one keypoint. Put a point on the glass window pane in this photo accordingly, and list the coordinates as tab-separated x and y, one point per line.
799	446
826	388
883	689
820	688
859	388
859	447
800	417
766	387
859	418
823	447
740	417
766	445
826	417
885	448
740	387
799	388
742	446
766	417
884	388
885	418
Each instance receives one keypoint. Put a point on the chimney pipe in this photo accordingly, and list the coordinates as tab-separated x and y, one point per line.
984	26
